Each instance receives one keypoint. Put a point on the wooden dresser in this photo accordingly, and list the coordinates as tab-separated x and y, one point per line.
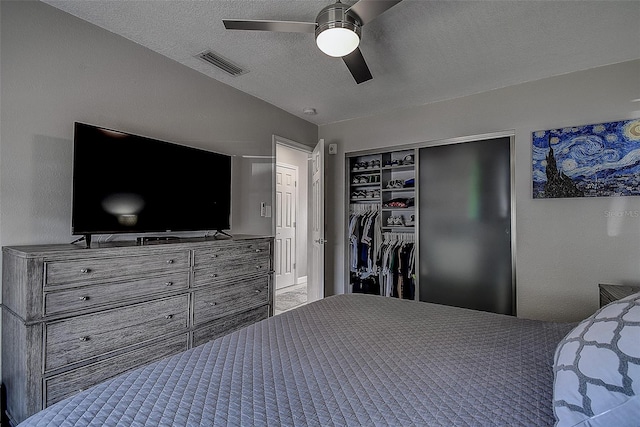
610	293
73	317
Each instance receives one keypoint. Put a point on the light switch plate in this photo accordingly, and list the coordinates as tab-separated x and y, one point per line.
333	148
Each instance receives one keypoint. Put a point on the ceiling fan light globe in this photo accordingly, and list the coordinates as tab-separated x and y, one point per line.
337	42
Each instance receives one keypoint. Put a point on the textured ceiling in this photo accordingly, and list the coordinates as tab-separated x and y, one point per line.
418	51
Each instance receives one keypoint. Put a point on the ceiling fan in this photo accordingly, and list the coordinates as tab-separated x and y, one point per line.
337	29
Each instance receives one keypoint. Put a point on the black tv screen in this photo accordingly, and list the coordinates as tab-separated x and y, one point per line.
125	183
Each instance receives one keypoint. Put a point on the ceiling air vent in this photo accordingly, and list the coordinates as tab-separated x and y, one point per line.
222	63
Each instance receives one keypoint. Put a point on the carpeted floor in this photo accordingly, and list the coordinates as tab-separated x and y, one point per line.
290	297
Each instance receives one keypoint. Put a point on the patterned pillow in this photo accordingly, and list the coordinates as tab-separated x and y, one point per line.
597	369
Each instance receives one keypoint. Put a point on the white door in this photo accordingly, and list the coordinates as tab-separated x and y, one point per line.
285	242
316	259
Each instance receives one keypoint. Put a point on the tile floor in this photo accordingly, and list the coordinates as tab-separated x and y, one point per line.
290	297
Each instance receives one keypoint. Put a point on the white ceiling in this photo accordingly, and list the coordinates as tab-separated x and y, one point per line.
418	51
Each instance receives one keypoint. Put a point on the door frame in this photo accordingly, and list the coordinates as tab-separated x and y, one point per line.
287	143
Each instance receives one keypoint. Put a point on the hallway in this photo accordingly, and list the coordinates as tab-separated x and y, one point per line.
290	297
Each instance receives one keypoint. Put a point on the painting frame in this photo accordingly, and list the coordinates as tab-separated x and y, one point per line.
594	160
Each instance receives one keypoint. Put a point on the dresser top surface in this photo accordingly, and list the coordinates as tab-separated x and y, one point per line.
609	286
619	291
125	245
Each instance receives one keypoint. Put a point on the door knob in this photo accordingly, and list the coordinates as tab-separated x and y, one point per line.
320	241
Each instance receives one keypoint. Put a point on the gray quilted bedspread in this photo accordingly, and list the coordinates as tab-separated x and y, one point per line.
355	360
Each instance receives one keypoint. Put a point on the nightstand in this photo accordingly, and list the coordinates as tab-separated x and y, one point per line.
610	293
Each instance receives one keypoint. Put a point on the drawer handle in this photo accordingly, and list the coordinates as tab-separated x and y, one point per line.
258	291
84	298
85	338
258	267
258	250
213	275
214	256
168	283
85	270
169	316
169	261
213	303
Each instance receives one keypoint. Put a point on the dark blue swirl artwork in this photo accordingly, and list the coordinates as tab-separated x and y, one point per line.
587	161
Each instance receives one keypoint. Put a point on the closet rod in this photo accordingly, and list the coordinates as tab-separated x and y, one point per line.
399	237
363	208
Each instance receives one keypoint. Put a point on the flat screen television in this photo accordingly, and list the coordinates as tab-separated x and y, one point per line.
125	183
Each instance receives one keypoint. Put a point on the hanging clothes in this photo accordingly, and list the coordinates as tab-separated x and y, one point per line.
396	264
364	242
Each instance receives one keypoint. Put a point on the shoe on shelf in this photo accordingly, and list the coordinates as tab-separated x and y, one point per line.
411	221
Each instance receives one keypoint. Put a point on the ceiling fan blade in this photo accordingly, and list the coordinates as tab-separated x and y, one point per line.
261	25
368	10
357	66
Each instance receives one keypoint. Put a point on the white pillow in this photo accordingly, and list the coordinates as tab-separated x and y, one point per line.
597	369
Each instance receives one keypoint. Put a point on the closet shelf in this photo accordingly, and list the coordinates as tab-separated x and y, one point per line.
367	184
398	168
399	227
366	200
390	190
366	170
389	209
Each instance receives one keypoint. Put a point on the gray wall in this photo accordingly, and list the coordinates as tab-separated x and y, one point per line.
57	69
565	247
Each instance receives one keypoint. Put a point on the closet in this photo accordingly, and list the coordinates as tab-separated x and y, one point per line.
382	223
433	222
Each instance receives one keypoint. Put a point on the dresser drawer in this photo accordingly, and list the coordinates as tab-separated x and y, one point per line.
69	383
229	269
57	272
246	253
228	324
104	294
226	298
82	337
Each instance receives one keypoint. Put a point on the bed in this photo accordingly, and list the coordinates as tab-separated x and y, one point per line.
348	360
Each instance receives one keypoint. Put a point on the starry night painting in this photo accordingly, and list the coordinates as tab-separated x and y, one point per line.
587	161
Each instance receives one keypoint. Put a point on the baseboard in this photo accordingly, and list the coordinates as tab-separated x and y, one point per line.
302	279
